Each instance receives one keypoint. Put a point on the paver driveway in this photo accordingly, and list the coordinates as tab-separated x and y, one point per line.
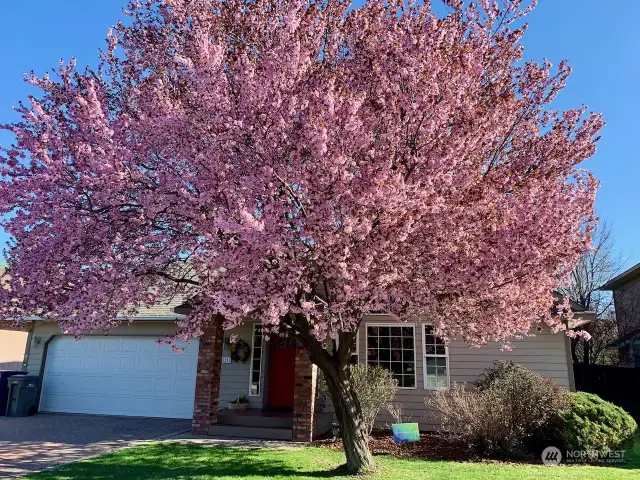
33	443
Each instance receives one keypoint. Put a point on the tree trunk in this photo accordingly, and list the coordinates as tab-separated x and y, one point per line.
335	369
355	437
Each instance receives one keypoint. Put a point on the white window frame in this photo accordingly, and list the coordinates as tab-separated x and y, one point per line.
415	350
253	341
357	352
434	355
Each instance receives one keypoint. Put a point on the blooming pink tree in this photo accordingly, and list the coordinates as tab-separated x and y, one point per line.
301	163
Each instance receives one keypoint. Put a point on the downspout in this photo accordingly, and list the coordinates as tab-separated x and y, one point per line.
42	364
27	347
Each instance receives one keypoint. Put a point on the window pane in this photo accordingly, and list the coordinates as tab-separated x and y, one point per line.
409	381
393	349
440	349
428	329
429	349
256	360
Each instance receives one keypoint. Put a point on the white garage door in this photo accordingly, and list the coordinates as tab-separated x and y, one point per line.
119	376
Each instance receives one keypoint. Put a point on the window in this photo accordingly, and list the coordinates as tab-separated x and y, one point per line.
256	360
354	359
436	360
393	348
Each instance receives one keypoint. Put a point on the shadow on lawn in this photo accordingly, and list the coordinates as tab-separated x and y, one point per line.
186	460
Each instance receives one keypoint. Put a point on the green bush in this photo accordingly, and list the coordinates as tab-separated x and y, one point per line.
593	424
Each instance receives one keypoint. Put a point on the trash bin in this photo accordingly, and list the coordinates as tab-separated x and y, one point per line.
4	388
23	390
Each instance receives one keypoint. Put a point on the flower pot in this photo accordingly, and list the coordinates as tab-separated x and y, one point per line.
237	406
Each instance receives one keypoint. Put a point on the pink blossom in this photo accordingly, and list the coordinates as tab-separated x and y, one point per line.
286	159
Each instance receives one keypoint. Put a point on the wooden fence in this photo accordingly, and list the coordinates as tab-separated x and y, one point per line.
618	385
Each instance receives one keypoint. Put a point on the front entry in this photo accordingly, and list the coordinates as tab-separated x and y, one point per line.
282	371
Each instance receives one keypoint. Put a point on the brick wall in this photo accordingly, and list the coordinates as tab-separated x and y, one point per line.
304	397
205	411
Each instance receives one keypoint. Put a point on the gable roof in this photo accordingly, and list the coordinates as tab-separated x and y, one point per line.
624	277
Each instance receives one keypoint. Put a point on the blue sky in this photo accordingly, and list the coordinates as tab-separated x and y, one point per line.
600	42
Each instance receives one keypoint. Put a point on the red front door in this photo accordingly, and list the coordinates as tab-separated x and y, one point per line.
282	356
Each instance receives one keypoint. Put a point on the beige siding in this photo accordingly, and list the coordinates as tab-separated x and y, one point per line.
544	353
12	349
235	377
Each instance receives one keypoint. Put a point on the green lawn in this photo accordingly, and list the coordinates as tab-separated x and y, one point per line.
163	461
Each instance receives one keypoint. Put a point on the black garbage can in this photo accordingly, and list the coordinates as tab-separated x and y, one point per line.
23	390
4	388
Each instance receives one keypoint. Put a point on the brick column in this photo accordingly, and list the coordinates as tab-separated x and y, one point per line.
205	410
304	397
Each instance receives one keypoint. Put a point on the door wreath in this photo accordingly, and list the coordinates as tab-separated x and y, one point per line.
240	351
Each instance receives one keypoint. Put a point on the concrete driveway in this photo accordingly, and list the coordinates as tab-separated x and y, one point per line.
30	444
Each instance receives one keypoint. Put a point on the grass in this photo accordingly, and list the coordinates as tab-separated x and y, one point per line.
173	461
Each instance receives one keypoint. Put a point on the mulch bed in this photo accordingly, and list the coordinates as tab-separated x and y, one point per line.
431	446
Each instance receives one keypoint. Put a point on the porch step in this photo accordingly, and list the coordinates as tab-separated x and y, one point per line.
255	418
240	431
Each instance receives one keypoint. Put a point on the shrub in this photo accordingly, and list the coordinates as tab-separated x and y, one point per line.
375	388
511	413
593	424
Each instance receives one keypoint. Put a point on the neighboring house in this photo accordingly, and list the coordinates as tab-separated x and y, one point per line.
13	345
626	299
127	373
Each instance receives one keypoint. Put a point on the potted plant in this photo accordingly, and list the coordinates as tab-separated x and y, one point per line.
240	403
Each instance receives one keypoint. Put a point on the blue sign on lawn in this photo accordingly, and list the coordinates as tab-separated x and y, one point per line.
405	432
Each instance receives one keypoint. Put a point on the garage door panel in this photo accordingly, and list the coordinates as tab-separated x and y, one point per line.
121	376
128	365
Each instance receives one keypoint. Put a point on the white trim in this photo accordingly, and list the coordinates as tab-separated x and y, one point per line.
357	352
122	318
415	360
253	340
435	355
